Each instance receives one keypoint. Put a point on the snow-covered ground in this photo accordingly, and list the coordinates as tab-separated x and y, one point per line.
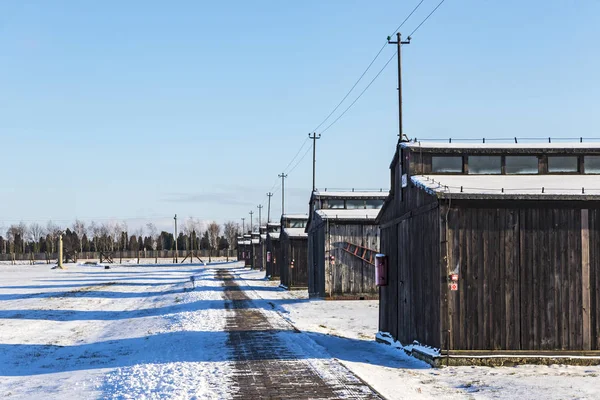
347	329
141	332
127	332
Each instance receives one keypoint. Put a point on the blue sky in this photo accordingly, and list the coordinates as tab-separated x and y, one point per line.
144	109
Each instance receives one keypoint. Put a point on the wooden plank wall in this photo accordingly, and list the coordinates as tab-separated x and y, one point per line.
522	279
418	299
316	259
388	295
295	249
594	233
272	267
285	256
349	275
259	256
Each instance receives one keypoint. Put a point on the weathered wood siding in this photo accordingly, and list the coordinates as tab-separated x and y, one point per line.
294	249
273	266
409	306
350	275
259	256
528	278
594	229
316	260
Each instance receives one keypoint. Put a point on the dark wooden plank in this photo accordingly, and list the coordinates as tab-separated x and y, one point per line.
564	280
585	281
572	282
480	226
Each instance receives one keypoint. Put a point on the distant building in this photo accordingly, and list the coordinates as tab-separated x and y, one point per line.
342	241
294	251
493	246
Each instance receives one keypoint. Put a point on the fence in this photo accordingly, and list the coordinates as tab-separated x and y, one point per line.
94	255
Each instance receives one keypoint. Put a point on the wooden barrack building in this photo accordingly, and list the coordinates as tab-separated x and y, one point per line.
294	251
493	246
342	241
273	250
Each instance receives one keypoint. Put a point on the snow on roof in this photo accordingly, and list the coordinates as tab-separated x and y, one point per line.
244	242
263	236
295	216
577	187
341	214
372	193
295	232
501	146
274	224
274	235
255	241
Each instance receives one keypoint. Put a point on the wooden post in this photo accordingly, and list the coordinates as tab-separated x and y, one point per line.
60	252
585	280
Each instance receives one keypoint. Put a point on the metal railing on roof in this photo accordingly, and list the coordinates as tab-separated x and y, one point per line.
580	139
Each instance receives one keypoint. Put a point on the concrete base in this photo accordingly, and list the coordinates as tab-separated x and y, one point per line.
501	358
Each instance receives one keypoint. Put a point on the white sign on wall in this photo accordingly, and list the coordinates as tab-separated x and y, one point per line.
404	180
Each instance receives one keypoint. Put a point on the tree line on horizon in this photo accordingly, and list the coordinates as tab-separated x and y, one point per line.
113	236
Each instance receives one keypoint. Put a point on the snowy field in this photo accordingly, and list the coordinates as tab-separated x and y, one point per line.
143	332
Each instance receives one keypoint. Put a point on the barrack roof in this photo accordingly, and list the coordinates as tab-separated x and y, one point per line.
518	187
530	147
352	194
354	215
274	235
295	232
294	216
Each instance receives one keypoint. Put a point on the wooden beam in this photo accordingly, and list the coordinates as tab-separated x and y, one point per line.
410	214
585	280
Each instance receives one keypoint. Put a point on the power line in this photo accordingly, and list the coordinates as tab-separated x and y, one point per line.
361	93
426	18
299	150
300	160
368	68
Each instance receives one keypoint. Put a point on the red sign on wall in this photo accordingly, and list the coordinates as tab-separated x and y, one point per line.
454	286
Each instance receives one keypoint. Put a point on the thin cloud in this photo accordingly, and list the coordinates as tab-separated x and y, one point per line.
207	198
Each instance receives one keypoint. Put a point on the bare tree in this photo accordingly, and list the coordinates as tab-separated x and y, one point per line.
79	229
153	234
213	237
231	231
105	237
53	231
36	231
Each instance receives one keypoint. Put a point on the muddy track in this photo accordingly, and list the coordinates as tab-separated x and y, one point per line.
268	367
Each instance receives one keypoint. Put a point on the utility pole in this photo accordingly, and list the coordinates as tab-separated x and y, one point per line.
176	261
282	176
314	138
251	227
269	207
243	227
259	216
399	43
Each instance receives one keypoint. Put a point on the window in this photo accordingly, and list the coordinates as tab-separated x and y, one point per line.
374	204
562	164
337	204
592	164
521	165
299	223
355	204
485	165
446	164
